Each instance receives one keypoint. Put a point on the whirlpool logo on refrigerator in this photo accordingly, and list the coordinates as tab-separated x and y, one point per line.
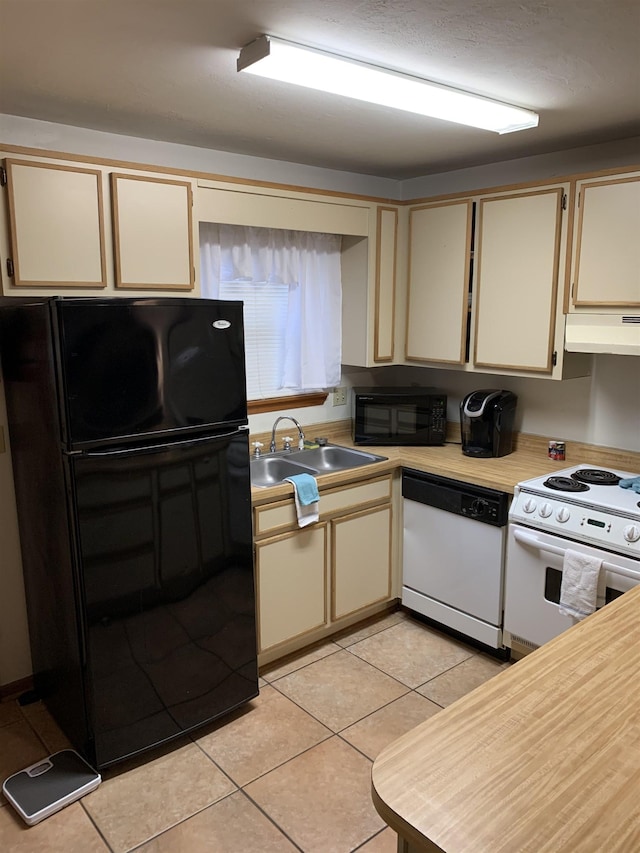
221	324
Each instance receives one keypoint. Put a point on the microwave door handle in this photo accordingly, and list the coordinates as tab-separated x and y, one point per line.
534	542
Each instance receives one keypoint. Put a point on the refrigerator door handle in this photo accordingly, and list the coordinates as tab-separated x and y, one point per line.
151	448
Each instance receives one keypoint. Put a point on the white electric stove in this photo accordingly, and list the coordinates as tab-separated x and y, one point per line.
584	509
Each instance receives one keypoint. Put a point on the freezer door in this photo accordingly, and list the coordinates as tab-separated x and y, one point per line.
148	368
165	568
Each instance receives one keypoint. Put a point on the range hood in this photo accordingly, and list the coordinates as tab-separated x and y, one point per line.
610	333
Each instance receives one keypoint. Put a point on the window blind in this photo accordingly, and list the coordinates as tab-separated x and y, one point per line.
265	318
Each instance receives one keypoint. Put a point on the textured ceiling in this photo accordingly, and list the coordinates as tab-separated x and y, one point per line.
165	69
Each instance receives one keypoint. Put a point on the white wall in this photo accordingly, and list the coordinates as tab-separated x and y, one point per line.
603	408
15	659
317	414
31	133
590	158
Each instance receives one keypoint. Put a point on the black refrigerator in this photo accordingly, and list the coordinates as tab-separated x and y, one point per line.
129	437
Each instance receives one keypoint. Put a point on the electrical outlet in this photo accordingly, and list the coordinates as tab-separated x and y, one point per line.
340	396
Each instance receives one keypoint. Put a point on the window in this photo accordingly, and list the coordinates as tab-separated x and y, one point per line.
265	321
289	282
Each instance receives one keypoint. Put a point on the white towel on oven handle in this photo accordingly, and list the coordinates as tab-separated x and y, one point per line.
579	587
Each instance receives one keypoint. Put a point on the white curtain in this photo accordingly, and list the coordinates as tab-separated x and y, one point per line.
309	264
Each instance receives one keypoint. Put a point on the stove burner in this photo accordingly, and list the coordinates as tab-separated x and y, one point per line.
565	484
596	476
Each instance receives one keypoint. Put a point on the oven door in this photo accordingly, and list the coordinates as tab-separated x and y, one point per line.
533	576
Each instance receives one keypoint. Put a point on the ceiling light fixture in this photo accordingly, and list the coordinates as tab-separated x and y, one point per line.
272	57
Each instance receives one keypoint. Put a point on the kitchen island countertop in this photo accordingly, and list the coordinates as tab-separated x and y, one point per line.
544	757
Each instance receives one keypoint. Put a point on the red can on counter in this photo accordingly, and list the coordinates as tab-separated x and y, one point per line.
557	450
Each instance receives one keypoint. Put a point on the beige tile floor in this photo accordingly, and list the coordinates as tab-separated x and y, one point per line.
289	772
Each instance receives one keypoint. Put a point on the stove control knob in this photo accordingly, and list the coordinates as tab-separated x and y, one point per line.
631	532
545	510
563	515
529	505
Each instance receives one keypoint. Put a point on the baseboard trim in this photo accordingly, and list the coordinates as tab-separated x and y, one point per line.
15	688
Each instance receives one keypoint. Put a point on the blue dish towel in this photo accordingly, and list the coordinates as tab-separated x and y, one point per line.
632	483
305	491
306	488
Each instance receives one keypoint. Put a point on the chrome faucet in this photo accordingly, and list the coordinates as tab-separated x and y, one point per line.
272	446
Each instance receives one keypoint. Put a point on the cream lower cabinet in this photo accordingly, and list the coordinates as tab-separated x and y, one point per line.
312	581
361	558
291	586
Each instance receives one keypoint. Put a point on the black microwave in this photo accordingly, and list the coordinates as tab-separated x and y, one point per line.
399	416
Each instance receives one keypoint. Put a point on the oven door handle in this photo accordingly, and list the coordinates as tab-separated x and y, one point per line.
528	539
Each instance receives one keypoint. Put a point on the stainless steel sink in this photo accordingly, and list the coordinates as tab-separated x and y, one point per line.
332	457
271	469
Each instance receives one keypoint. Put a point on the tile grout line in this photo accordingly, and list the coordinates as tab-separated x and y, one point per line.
241	788
95	826
329	735
268	816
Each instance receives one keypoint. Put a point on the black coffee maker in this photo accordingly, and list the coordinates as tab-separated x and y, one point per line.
486	423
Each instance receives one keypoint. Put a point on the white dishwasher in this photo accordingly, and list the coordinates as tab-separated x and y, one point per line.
453	555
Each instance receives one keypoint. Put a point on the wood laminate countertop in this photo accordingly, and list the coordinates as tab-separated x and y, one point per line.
528	460
544	757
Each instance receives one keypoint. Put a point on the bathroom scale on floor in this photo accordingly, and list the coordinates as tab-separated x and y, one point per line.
49	785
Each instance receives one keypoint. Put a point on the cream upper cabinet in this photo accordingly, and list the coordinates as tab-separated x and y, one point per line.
438	281
369	291
296	211
56	225
519	251
368	256
483	284
153	233
67	225
386	247
605	270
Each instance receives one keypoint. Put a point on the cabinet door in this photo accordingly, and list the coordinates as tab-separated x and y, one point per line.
361	560
606	271
369	290
385	285
516	282
57	226
153	234
291	580
439	272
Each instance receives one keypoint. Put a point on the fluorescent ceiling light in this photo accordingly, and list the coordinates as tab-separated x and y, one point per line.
306	66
